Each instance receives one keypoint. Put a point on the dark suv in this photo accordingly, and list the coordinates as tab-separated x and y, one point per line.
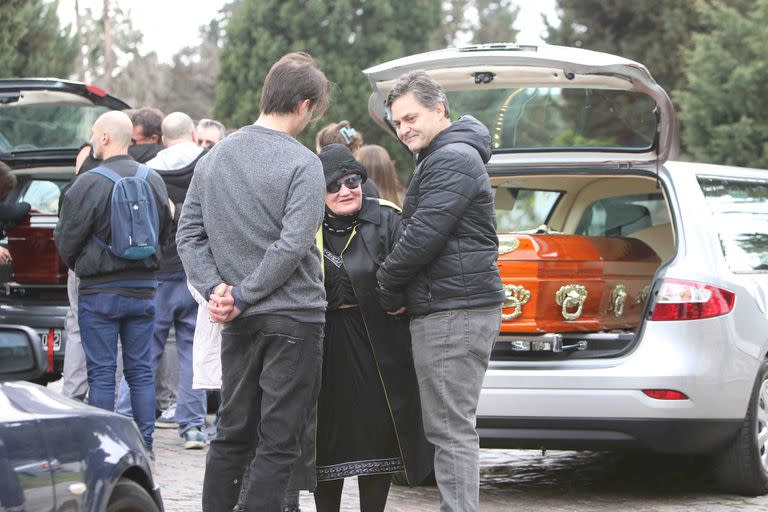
43	123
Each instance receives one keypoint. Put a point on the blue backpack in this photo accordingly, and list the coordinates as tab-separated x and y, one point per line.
133	215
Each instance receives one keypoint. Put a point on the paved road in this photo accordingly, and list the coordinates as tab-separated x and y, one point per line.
512	480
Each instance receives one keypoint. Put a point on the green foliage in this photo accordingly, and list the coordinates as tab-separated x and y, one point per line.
655	35
495	20
572	139
476	22
723	108
344	36
32	41
125	43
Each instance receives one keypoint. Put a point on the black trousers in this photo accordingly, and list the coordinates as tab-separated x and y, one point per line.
270	381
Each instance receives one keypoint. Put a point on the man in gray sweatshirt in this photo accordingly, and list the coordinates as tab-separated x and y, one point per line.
246	238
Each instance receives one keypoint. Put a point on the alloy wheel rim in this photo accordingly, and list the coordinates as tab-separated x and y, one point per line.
762	425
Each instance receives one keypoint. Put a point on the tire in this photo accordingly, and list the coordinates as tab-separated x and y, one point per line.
742	467
128	496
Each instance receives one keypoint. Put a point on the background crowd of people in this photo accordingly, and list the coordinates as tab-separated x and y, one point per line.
330	326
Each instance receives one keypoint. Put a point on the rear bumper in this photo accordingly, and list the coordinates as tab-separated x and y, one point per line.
42	318
658	435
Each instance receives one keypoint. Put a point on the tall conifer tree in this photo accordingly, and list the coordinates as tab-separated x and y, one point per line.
344	36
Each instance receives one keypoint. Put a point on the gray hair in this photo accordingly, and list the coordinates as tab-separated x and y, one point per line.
424	89
208	123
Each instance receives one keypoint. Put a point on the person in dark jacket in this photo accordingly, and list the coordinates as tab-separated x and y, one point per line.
116	294
369	419
443	271
146	141
173	301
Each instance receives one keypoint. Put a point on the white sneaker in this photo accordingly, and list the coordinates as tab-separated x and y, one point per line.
168	418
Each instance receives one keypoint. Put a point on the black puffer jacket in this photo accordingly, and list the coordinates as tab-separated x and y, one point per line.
177	182
446	256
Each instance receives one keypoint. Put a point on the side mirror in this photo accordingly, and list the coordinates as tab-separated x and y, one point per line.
21	355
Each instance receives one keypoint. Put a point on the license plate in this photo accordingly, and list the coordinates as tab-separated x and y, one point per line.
56	339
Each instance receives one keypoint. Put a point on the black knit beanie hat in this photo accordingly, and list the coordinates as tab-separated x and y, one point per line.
338	161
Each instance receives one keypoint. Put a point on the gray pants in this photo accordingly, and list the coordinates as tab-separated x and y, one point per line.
75	378
451	350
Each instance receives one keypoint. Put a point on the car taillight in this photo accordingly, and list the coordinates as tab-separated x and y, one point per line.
688	300
665	394
96	90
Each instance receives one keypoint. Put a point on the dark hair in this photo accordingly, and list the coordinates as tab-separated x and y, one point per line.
424	89
381	170
291	80
339	133
7	180
151	119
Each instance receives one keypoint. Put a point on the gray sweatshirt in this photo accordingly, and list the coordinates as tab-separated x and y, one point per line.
250	219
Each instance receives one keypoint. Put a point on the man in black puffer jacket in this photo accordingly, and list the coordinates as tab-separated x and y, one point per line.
443	271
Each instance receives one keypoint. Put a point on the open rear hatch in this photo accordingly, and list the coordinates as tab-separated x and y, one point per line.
547	105
583	226
43	123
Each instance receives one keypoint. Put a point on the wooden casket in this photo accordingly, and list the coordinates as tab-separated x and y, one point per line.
35	258
572	283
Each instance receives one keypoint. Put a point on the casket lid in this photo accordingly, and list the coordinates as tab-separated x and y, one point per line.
47	119
547	106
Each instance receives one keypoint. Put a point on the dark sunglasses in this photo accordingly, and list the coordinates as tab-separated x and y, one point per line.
351	182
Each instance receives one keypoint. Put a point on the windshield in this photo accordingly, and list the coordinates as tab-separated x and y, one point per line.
740	209
46	126
550	118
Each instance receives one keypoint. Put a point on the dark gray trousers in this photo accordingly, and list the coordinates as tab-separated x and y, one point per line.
270	381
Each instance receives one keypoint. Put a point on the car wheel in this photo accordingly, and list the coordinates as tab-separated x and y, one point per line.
128	496
743	466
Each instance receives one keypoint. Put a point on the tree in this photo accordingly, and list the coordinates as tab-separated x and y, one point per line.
723	106
656	35
194	72
475	21
104	57
32	41
494	21
345	37
454	24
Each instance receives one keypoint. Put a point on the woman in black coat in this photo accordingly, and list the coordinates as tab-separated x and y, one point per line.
369	416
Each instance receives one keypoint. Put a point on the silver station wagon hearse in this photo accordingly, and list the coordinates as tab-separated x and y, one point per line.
637	287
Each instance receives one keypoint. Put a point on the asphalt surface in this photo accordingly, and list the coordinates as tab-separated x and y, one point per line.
523	480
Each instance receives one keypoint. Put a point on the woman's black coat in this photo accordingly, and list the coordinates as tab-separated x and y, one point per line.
390	337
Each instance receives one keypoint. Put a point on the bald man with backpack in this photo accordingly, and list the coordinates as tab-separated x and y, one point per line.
112	223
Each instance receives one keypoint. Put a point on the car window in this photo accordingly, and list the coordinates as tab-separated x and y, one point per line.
42	195
740	209
553	118
623	216
46	126
521	209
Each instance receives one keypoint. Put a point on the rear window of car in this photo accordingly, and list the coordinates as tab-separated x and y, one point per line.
46	126
740	210
623	216
523	209
552	118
